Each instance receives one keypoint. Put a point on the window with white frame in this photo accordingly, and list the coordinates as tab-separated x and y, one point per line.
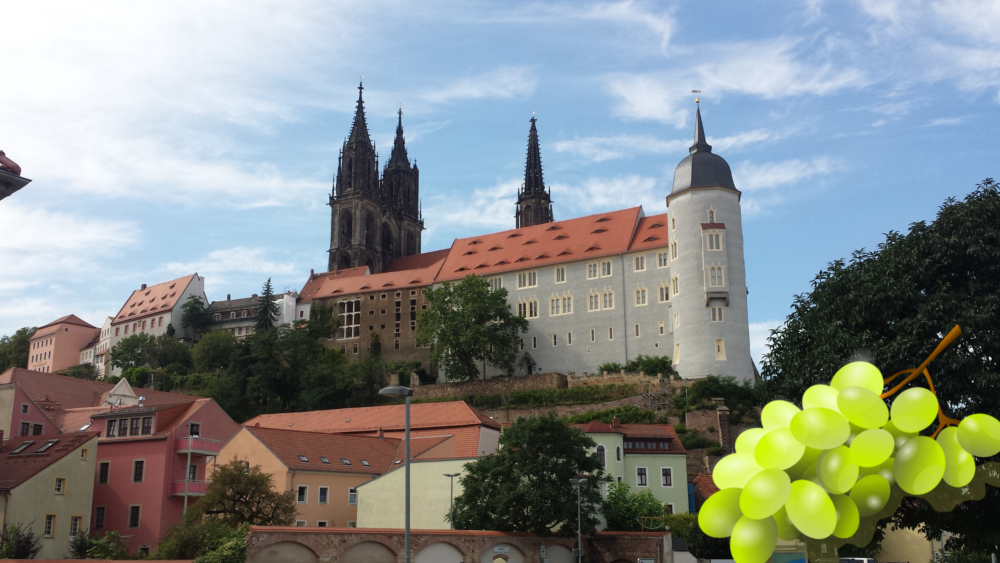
561	274
720	350
522	308
640	263
673	224
527	279
675	285
324	495
349	315
664	292
605	268
560	305
715	276
666	477
673	250
496	283
533	309
592	270
640	477
662	328
711	215
594	301
640	296
608	299
716	314
618	453
714	241
662	259
601	457
302	495
352	496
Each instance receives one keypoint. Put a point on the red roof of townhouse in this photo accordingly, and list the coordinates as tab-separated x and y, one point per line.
593	236
660	431
18	464
316	281
704	486
375	282
451	414
418	261
364	454
153	300
68	319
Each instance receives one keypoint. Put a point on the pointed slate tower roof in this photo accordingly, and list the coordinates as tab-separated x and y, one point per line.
398	157
359	128
702	168
533	182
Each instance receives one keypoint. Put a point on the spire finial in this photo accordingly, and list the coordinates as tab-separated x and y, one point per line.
700	144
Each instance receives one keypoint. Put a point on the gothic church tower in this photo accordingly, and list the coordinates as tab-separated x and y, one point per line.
708	275
373	220
534	203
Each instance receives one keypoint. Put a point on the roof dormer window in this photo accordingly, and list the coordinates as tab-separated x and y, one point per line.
303	459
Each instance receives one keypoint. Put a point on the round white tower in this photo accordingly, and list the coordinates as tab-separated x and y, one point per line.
711	330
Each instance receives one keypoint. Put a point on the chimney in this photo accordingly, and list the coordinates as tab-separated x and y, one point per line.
380	434
228	296
143	287
616	422
254	296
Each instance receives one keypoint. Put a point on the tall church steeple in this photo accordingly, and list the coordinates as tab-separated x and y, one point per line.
534	202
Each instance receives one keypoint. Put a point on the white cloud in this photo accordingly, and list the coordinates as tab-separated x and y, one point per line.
488	209
946	121
217	263
603	194
759	332
974	19
599	149
879	123
504	82
632	13
769	175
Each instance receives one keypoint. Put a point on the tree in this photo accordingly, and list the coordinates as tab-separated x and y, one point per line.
215	351
267	309
470	325
525	486
239	494
81	371
16	542
624	510
137	350
195	315
651	365
196	537
15	349
892	306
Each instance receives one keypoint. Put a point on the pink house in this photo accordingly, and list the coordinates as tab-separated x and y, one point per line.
150	460
57	345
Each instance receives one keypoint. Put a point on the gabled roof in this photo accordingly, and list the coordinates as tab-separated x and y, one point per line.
70	320
316	281
153	300
584	238
418	261
653	431
650	233
17	468
288	445
451	414
387	281
704	486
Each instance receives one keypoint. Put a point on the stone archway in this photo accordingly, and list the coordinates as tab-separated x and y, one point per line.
285	552
439	552
368	552
504	552
559	554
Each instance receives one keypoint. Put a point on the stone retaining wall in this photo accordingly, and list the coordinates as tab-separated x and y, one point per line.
493	386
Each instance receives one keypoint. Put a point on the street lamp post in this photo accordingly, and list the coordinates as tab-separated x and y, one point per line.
400	391
579	541
451	509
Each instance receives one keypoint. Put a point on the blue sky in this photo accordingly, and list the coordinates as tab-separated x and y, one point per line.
167	138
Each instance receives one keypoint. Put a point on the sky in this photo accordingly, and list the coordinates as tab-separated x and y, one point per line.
176	137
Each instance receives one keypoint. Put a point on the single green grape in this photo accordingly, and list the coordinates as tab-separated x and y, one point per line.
862	407
848	516
914	409
777	414
820	396
746	442
806	463
720	513
858	374
883	469
810	510
820	428
836	471
872	447
753	541
979	434
960	466
919	465
778	449
786	530
870	494
734	470
765	493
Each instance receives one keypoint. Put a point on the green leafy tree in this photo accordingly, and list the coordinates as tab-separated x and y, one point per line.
525	486
82	371
110	545
171	352
195	315
267	309
610	367
627	414
15	349
892	306
624	510
651	365
215	351
469	325
239	495
138	376
19	542
136	350
197	537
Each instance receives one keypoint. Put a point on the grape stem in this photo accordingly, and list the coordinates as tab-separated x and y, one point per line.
943	421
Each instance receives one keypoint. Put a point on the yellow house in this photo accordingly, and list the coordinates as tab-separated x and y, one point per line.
380	501
47	485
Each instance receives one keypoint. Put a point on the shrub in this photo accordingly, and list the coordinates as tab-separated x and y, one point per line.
610	367
692	441
651	365
719	451
627	415
680	429
16	542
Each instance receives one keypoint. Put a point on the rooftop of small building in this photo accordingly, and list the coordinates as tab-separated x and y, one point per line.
153	300
23	457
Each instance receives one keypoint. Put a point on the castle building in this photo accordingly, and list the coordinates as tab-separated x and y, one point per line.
373	220
534	203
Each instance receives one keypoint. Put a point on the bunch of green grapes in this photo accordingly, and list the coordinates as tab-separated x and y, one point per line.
815	472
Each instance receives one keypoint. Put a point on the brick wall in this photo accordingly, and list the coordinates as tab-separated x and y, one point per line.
494	386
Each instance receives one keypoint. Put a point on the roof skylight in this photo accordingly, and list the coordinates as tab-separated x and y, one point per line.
324	459
345	461
365	463
303	458
46	446
22	447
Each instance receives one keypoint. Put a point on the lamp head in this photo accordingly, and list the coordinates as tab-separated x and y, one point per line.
396	391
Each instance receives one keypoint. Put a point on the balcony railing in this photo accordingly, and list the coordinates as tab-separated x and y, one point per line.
201	446
194	488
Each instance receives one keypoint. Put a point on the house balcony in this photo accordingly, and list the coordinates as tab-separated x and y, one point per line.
197	446
194	488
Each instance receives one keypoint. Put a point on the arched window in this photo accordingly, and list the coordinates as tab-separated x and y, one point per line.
600	456
386	239
618	453
346	228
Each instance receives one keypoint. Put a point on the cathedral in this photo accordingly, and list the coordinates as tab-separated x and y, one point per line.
374	218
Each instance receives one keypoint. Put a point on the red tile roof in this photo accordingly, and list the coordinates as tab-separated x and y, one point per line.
650	233
378	282
288	445
315	281
661	431
68	319
450	414
418	261
584	238
704	486
153	300
15	469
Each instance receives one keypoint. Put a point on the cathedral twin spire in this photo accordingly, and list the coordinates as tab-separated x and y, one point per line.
534	202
